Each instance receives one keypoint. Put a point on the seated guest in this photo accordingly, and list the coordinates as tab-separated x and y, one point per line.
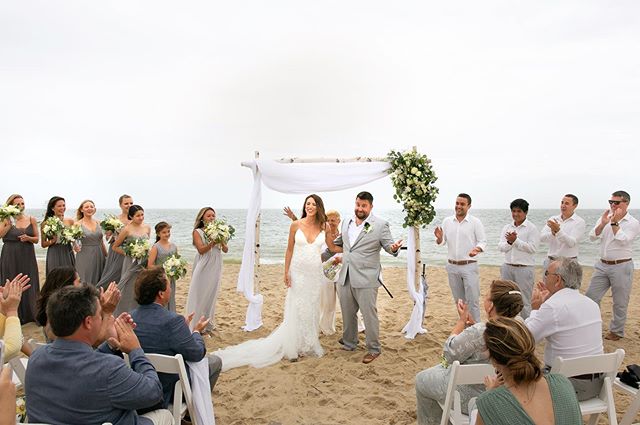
67	382
466	344
569	321
162	331
10	329
521	393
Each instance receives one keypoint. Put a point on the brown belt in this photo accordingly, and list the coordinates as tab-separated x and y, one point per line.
614	262
588	376
555	258
462	263
517	265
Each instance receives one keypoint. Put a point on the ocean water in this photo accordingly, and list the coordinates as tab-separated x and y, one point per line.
275	228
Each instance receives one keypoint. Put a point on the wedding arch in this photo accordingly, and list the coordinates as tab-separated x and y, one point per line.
411	175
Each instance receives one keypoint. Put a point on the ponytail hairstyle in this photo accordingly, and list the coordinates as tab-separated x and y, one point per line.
79	213
122	198
133	209
506	298
160	227
511	344
52	203
199	224
321	217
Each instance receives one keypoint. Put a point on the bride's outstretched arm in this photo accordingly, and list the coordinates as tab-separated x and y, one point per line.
289	253
328	239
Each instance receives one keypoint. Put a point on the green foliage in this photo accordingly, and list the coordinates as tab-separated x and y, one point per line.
413	179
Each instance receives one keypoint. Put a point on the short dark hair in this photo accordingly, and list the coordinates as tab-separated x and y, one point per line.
69	306
365	196
465	196
624	195
521	204
149	284
574	198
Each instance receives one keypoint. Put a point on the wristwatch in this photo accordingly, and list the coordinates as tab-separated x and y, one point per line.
614	223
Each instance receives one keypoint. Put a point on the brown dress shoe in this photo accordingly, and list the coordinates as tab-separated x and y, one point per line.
612	337
369	357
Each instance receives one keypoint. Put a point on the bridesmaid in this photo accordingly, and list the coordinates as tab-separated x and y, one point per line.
19	256
90	258
162	250
136	229
113	266
207	271
58	254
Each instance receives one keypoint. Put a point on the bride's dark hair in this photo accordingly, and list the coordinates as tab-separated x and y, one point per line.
321	217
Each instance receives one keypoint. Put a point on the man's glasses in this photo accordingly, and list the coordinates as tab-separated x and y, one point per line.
546	273
612	202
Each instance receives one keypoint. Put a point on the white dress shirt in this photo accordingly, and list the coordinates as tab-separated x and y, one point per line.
618	246
565	242
462	237
524	247
354	229
571	324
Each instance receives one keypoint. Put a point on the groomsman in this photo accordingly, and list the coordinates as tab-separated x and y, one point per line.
563	232
465	238
519	241
616	230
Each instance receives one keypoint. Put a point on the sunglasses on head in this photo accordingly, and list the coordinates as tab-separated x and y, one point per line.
611	202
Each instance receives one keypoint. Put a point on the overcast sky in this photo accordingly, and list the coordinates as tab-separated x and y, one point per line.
163	100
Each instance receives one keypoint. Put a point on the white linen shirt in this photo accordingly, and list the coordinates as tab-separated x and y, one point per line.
571	324
354	229
565	242
618	246
524	247
462	237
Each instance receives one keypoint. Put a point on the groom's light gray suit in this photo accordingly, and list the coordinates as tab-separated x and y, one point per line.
360	279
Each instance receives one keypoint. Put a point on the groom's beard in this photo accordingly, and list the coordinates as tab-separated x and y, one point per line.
361	215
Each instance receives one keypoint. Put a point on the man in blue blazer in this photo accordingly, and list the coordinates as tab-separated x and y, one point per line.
161	331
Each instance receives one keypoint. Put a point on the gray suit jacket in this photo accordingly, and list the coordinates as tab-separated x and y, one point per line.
361	261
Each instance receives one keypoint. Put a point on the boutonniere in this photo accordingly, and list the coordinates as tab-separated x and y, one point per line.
367	227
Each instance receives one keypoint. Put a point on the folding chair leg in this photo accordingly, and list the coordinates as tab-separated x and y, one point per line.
593	418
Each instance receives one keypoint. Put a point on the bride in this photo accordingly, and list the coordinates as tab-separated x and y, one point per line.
297	335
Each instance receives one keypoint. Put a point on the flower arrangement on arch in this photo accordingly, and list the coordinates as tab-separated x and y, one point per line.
413	179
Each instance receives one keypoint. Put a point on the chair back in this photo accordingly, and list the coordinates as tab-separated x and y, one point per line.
175	365
461	375
606	364
35	344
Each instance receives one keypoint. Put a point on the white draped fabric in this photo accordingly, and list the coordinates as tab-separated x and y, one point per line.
201	391
306	178
414	326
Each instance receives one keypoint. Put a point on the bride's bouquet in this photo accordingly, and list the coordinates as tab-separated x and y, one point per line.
71	234
138	249
219	231
175	267
111	223
331	269
9	211
52	227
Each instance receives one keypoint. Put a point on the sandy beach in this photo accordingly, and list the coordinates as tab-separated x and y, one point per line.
338	388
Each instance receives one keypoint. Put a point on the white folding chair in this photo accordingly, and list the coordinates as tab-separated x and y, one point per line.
19	367
461	375
634	407
175	364
607	364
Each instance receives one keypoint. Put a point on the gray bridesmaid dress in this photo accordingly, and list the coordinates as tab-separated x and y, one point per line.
162	256
59	255
20	257
90	260
113	267
127	283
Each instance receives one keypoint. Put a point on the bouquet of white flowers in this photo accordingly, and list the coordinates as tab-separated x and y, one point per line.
71	234
137	248
219	231
9	211
175	267
52	227
331	269
111	223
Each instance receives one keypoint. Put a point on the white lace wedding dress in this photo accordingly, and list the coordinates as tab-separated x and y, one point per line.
297	335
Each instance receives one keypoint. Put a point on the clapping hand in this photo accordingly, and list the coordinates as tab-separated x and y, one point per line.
554	226
201	325
511	237
287	211
539	295
126	340
110	298
463	313
12	294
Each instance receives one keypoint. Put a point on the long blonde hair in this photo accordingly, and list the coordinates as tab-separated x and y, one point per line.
79	213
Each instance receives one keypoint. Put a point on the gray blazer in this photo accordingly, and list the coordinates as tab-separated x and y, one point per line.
362	260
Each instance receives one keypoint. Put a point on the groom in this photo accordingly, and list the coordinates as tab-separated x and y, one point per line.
361	239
